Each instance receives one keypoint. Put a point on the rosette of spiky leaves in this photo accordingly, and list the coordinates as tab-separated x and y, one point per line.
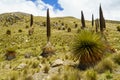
87	48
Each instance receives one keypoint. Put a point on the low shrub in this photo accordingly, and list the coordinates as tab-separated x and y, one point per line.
8	32
118	28
105	65
20	30
69	30
91	75
116	58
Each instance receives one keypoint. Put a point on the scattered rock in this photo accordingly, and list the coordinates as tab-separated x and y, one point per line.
69	63
57	62
27	55
21	66
41	66
54	70
7	66
40	76
10	55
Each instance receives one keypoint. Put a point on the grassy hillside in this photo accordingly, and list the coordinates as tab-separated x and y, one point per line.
39	68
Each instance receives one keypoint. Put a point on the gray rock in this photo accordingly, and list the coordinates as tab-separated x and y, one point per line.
27	55
40	76
57	62
69	63
7	66
21	66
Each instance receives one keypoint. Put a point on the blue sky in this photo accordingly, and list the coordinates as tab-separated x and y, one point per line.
53	3
111	8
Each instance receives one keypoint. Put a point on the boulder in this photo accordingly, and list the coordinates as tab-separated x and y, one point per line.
57	62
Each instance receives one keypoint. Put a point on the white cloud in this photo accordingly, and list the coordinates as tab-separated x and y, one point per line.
26	6
111	9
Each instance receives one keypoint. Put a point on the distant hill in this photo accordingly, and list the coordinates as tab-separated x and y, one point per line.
12	18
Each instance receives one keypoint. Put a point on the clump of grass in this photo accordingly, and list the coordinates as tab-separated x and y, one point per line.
88	48
26	26
105	65
29	77
8	32
116	58
74	75
118	28
91	75
69	29
35	64
59	28
20	30
78	30
63	28
46	68
76	25
10	53
14	75
108	75
55	77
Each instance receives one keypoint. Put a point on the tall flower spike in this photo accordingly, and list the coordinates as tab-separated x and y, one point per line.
102	20
48	26
82	20
92	20
31	20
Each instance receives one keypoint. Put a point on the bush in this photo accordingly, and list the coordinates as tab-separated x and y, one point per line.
46	69
105	65
59	28
76	25
20	30
87	48
63	28
78	30
10	53
8	32
118	28
35	64
69	29
27	26
91	75
116	58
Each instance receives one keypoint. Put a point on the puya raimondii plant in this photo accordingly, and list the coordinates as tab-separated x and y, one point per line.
88	49
31	30
48	49
92	20
102	20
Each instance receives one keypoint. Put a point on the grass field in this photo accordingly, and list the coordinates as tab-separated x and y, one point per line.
22	43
